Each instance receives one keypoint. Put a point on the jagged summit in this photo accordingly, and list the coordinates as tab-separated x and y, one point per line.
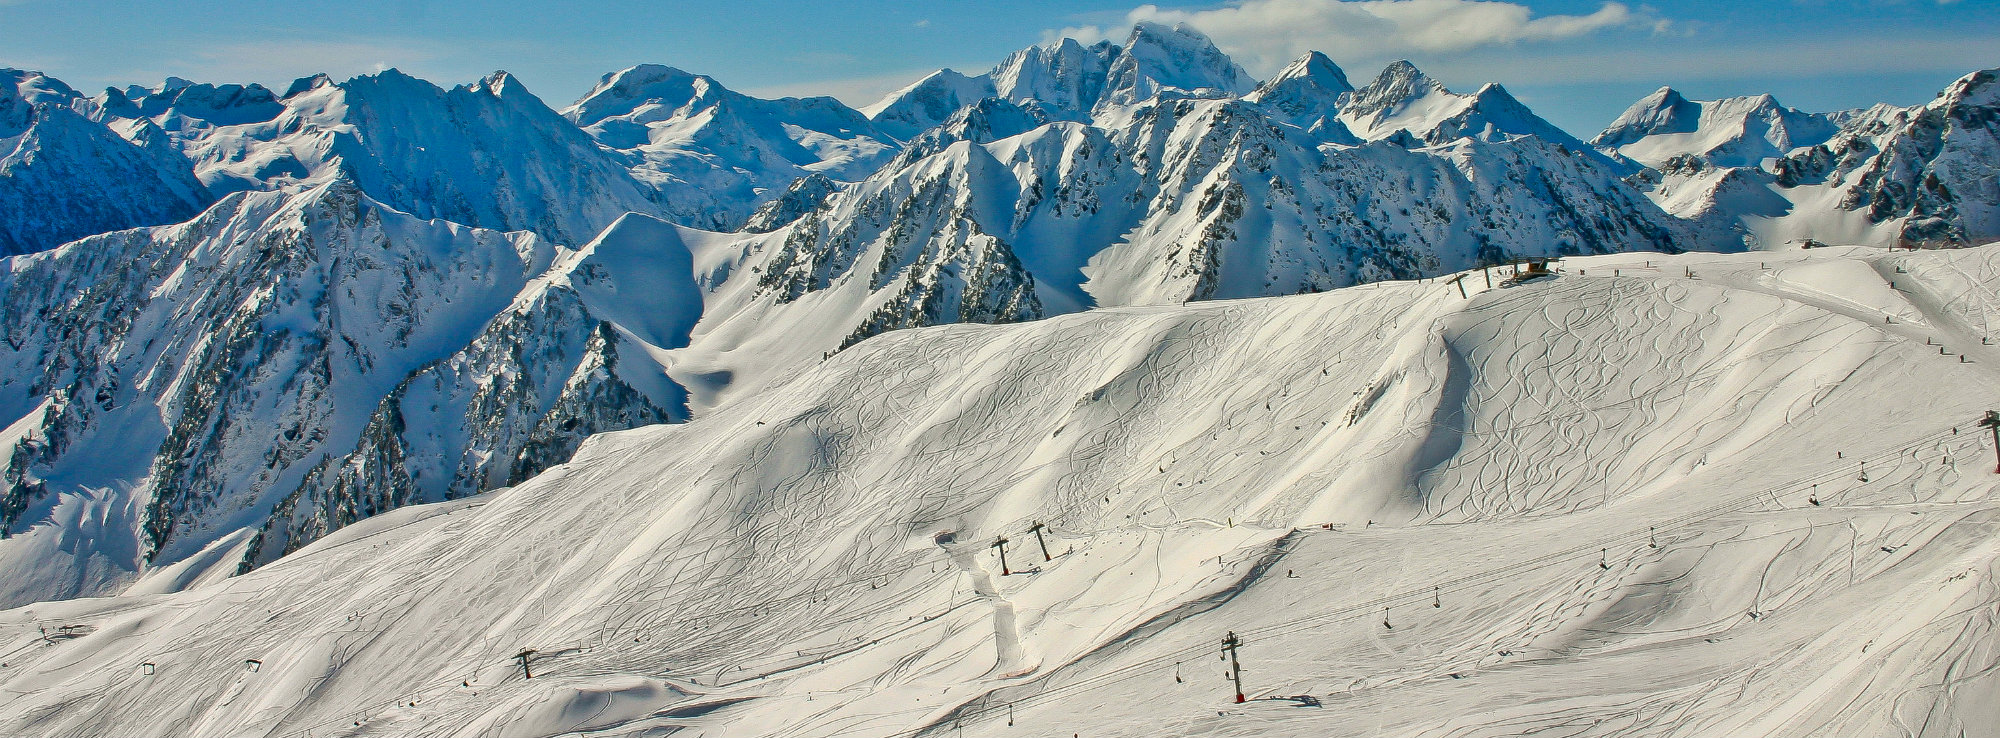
182	109
1734	131
307	84
1404	104
1065	77
1176	61
1066	80
1398	86
1306	90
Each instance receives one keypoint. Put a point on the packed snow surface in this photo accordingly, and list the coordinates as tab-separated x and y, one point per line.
1667	495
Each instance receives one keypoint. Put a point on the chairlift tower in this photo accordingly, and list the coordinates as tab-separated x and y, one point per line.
1992	422
1229	644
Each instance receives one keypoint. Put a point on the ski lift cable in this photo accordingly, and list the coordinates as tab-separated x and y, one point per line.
1359	608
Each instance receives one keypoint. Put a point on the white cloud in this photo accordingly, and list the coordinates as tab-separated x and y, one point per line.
1783	59
1265	34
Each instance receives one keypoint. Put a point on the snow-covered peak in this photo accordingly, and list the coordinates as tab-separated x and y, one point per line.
1733	131
1305	90
1398	88
1177	61
504	85
714	155
187	109
487	154
982	121
34	87
1404	104
20	91
1981	88
652	87
908	111
1066	80
65	175
307	84
1066	77
1664	111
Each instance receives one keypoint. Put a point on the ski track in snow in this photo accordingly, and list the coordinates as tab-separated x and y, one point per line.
1580	504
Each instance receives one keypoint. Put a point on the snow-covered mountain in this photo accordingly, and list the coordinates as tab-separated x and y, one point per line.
999	214
1886	176
929	101
189	111
1731	132
64	176
489	154
1402	100
1920	176
1069	81
1686	495
216	393
714	155
1307	93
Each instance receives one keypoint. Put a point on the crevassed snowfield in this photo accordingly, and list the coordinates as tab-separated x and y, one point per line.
1656	495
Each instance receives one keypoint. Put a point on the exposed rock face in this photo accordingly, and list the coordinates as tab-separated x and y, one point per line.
1918	176
807	194
292	364
1930	167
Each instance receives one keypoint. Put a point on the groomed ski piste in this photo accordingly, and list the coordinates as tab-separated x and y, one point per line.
1699	494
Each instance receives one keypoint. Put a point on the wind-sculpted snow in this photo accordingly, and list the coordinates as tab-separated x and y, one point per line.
64	176
291	364
1692	494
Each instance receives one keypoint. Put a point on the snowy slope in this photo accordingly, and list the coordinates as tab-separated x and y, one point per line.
712	154
230	388
1670	495
64	176
1731	132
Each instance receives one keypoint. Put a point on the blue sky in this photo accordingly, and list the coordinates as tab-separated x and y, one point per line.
1577	62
